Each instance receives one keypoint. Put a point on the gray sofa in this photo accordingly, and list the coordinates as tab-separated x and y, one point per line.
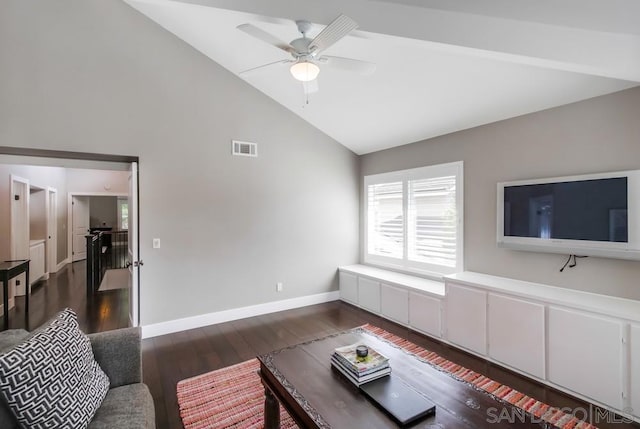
128	404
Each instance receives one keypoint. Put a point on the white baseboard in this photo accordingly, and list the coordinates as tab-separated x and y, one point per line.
62	264
171	326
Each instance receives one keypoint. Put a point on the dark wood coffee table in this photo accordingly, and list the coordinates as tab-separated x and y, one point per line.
301	379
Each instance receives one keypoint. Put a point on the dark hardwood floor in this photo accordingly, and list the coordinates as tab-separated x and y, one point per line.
105	311
170	358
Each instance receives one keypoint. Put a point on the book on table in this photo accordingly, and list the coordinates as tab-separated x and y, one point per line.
360	380
360	370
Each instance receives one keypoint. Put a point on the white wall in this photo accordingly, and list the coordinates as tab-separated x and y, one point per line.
39	176
597	135
96	76
84	180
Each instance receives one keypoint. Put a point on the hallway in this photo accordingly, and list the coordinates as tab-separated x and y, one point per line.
105	311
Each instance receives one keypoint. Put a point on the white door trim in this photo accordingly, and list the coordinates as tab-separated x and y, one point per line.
70	196
15	232
14	178
51	202
134	249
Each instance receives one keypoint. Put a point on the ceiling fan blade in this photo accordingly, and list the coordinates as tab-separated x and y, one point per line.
340	27
251	70
311	87
256	32
349	64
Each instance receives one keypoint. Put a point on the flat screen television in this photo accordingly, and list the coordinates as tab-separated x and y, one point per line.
590	215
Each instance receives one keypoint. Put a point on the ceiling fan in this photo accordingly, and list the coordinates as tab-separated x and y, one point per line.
306	52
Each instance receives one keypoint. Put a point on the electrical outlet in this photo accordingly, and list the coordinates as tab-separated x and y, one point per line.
156	243
279	287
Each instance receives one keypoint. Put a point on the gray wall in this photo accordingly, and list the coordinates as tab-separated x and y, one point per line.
597	135
103	211
96	76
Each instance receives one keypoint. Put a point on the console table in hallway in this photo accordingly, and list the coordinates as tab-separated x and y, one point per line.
9	270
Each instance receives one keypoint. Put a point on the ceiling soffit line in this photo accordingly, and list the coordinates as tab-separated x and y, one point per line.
420	89
588	50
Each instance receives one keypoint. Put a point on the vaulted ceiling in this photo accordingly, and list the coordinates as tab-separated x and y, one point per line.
442	65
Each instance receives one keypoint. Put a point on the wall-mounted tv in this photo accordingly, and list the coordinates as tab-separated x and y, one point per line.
590	215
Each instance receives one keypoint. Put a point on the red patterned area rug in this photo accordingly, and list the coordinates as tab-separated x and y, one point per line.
233	397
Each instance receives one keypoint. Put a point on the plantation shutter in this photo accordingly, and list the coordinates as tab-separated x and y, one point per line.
385	220
432	221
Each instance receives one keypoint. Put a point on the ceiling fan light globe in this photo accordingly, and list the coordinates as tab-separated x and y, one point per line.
304	71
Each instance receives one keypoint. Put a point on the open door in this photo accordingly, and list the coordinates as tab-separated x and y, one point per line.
52	230
134	261
80	221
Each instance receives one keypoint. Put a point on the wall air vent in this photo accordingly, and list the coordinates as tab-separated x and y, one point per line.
244	148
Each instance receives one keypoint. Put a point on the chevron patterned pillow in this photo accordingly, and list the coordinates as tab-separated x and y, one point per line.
51	380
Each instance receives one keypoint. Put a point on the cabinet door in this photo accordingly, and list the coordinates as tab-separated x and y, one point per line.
466	317
369	294
395	303
36	265
634	369
349	288
516	333
424	314
585	354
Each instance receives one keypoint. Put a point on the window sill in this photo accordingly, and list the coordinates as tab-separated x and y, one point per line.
431	287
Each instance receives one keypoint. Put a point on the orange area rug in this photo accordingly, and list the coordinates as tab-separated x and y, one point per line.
233	397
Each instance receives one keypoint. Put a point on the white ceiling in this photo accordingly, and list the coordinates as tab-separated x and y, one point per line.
442	66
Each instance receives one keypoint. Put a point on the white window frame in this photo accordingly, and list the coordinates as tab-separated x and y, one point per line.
430	270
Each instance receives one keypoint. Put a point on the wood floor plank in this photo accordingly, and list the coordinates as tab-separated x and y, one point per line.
104	311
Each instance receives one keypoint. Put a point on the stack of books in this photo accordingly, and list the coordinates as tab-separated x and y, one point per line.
360	370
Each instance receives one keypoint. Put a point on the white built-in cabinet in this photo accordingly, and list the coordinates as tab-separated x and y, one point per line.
408	300
585	354
582	343
348	287
425	314
466	318
395	303
36	260
634	367
515	333
369	294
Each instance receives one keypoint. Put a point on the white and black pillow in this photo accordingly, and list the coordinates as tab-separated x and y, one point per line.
51	380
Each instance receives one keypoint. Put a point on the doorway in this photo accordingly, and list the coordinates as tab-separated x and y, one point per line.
57	251
79	227
52	230
19	201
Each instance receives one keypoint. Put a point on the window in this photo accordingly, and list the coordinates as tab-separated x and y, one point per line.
414	219
123	214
